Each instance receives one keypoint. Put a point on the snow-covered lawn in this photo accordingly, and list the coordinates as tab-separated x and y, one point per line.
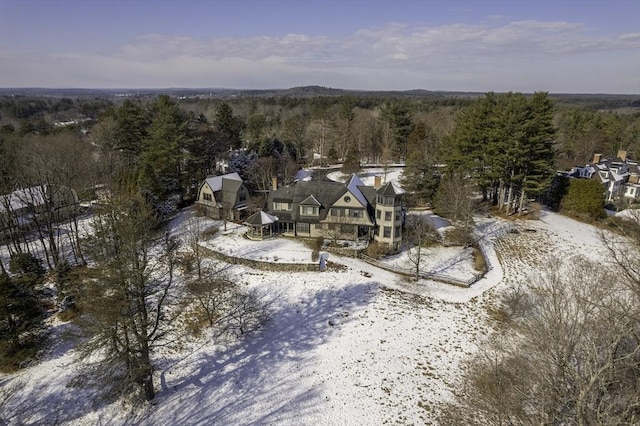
232	242
368	175
350	347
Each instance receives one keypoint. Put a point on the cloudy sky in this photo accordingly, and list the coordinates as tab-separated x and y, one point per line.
560	46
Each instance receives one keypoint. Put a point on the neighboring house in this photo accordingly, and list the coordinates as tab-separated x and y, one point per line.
24	209
224	197
620	176
336	210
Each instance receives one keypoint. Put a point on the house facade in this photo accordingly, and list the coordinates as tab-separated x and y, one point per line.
620	176
339	211
224	197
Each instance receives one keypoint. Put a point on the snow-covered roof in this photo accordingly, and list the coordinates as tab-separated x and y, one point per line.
353	187
216	182
617	177
21	198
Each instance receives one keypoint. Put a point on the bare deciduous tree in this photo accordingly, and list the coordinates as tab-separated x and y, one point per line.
571	356
418	233
125	309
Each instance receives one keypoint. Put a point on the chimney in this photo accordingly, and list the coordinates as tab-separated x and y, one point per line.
377	181
597	158
274	183
622	154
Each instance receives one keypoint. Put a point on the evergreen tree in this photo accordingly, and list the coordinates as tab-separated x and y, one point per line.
164	150
398	117
506	143
351	163
131	121
21	311
584	196
229	127
420	177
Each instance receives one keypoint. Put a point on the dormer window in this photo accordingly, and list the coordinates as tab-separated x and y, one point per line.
309	210
281	206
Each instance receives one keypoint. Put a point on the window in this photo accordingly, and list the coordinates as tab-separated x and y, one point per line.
397	232
397	216
378	214
338	212
242	196
207	197
387	215
387	232
309	210
303	227
357	213
347	199
280	206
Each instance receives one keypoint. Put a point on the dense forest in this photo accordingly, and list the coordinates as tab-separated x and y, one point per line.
166	144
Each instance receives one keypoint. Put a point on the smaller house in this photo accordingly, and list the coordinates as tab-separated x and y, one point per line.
224	197
620	176
24	209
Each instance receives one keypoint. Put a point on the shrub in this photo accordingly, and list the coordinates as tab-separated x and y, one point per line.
585	197
479	262
457	236
210	232
68	314
317	243
26	263
375	250
199	210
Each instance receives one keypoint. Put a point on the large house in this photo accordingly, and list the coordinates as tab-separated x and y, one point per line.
24	209
336	210
224	197
620	176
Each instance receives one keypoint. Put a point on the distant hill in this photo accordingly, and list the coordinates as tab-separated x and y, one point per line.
632	100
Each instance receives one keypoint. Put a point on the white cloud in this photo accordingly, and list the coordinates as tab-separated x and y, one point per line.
395	56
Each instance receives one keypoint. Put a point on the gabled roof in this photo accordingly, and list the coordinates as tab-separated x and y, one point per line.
215	182
321	194
354	185
310	201
618	177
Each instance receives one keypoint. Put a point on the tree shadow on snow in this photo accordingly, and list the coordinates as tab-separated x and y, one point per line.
266	377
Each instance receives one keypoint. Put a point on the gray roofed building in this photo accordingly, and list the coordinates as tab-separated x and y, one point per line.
620	176
335	210
224	197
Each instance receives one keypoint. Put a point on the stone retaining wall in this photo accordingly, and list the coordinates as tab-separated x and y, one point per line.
265	266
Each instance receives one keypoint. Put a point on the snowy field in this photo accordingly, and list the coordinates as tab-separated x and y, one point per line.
351	347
